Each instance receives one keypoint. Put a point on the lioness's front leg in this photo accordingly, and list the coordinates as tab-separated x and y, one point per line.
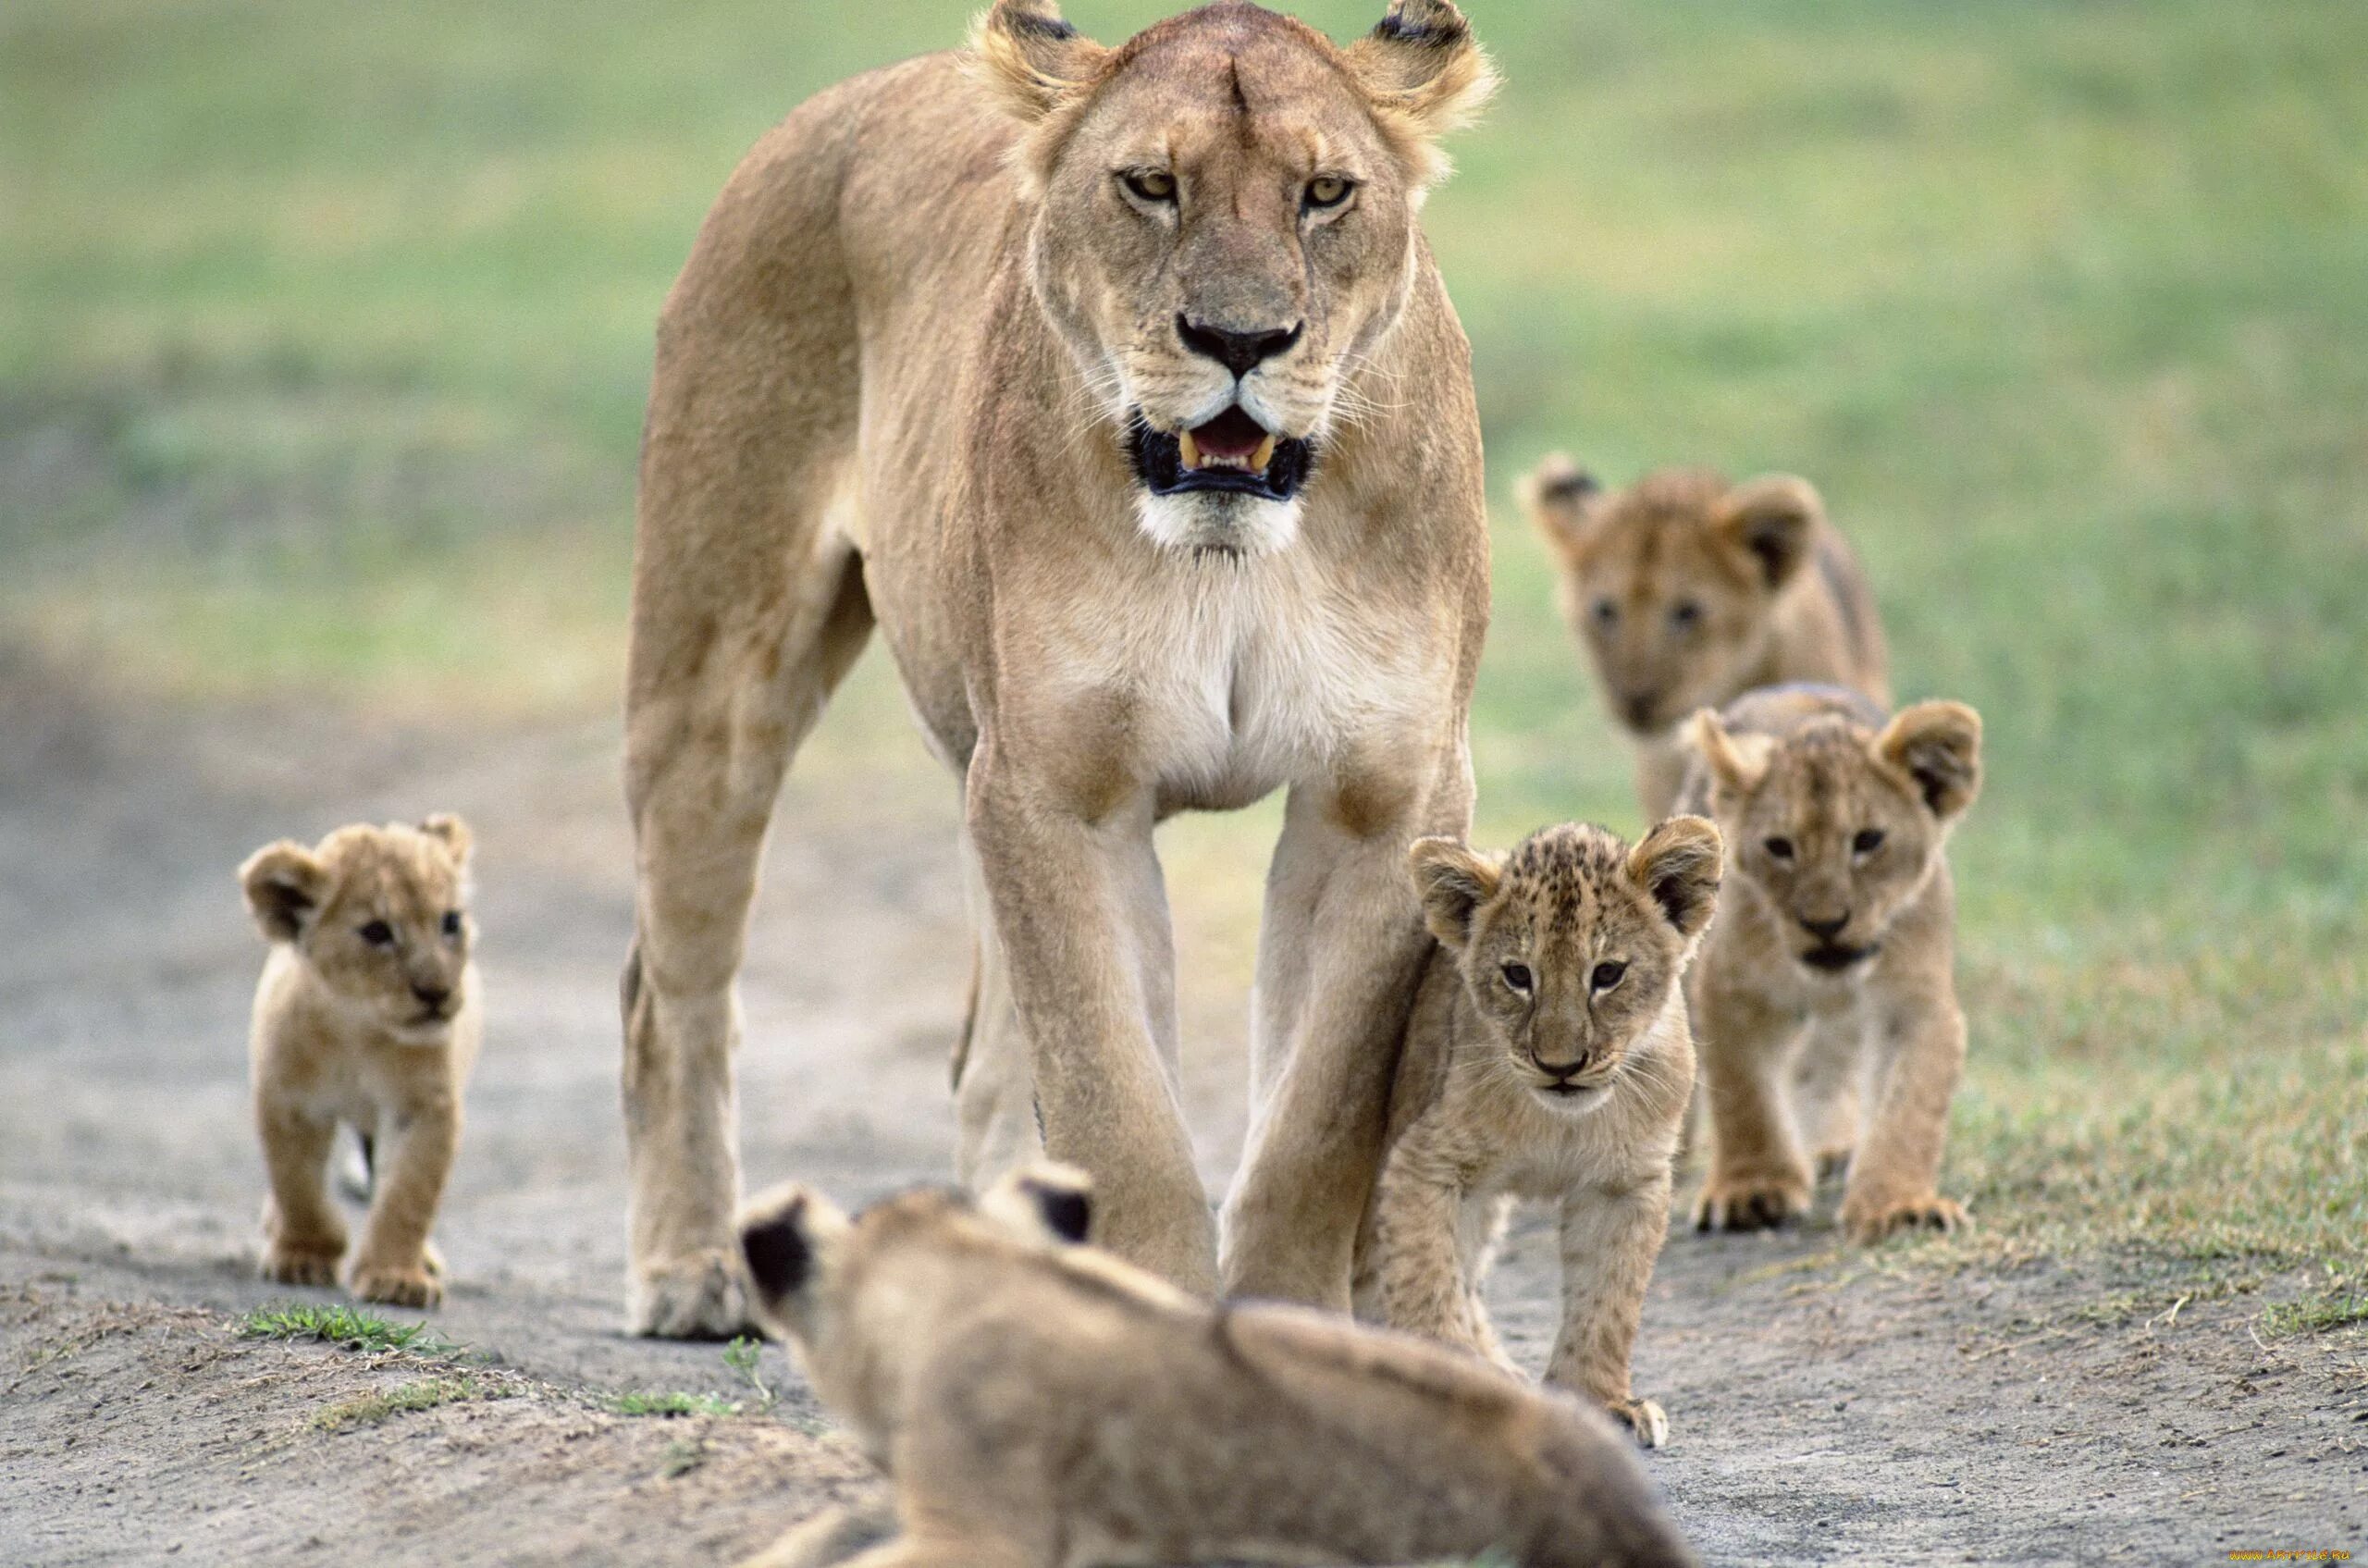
1609	1242
391	1263
1918	1050
1067	897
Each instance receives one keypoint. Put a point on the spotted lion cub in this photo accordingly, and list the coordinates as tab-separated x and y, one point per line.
1547	1056
1838	927
367	1014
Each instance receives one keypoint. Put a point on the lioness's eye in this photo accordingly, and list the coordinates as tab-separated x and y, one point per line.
1868	841
1683	613
1150	184
452	922
1518	977
377	933
1608	973
1606	611
1779	847
1327	190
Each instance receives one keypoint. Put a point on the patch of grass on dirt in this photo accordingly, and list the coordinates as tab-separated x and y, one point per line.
2342	1305
671	1403
425	1393
343	1327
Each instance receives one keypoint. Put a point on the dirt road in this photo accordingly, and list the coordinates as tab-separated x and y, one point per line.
1821	1411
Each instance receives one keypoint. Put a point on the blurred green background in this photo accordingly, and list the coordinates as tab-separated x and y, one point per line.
327	329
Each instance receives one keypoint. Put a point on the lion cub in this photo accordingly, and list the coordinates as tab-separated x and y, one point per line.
367	1014
1039	1404
1688	592
1546	1057
1839	921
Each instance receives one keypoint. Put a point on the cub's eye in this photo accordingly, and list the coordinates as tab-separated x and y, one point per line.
1150	184
1779	847
1327	190
1684	614
1518	977
378	934
1606	612
1868	841
1608	974
452	922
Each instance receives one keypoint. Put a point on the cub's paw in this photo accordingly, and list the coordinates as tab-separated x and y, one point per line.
1644	1419
1751	1203
302	1266
700	1297
412	1287
1871	1220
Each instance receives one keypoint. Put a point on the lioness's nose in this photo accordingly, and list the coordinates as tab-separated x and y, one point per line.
1826	930
432	995
1240	353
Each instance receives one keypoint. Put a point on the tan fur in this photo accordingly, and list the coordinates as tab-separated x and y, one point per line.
1039	1404
1544	1084
1793	776
378	1034
1687	591
895	386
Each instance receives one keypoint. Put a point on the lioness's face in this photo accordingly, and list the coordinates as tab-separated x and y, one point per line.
1835	827
1224	227
380	915
1573	944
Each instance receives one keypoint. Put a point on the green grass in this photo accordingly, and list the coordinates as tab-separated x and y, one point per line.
331	327
425	1393
345	1327
671	1403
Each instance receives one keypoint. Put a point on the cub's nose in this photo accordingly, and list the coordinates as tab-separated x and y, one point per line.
1825	930
1638	707
1240	353
433	998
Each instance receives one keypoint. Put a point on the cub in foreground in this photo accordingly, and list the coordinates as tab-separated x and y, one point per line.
1042	1404
1546	1057
1687	592
367	1013
1839	920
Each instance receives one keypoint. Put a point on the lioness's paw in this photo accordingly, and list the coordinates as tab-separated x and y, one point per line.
1751	1203
397	1287
1644	1419
1873	1220
301	1265
700	1297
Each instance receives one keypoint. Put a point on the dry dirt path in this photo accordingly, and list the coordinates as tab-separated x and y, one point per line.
1817	1417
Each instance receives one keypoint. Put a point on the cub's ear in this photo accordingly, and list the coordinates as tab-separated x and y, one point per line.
284	885
1772	520
1424	76
453	832
1677	866
1453	882
1043	1197
1556	495
1737	763
1030	60
1938	745
784	1234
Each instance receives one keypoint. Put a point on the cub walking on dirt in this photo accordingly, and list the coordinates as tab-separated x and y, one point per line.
1836	936
1039	1404
1546	1057
367	1013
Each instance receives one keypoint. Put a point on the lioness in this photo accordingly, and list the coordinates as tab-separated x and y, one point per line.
1041	1405
1687	591
1117	388
1838	918
1547	1056
367	1014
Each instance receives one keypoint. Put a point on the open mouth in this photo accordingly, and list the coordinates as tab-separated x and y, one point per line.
1834	959
1232	452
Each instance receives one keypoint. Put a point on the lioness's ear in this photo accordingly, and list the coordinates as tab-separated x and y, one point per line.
1030	59
1043	1197
1677	866
1772	520
284	885
783	1233
1738	762
1425	77
1939	745
1555	496
453	832
1453	884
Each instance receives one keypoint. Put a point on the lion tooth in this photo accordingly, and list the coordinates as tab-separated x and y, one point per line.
1192	449
1263	456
